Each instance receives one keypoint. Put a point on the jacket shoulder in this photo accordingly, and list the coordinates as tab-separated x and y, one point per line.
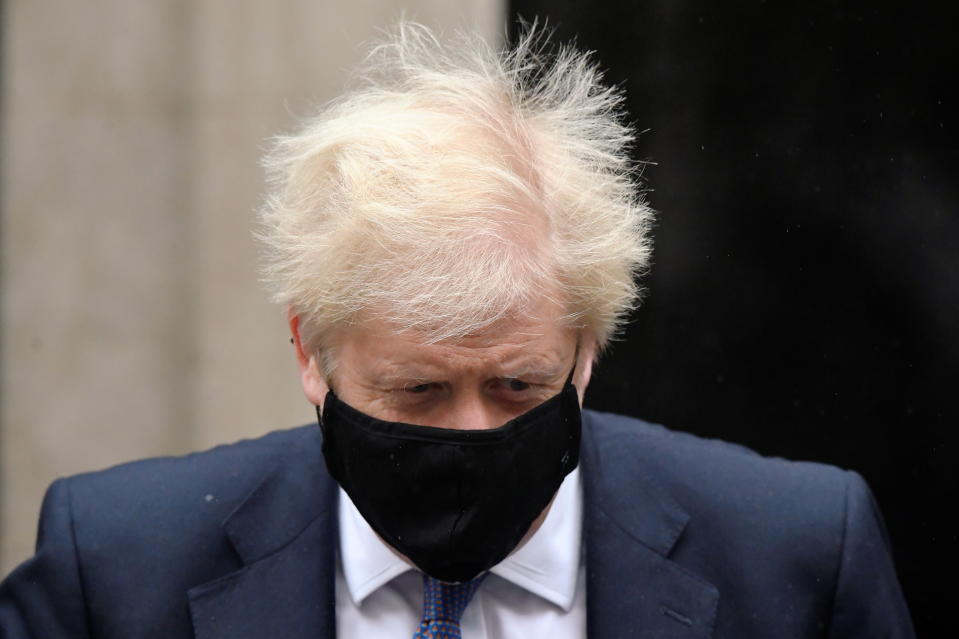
198	485
145	517
749	504
692	467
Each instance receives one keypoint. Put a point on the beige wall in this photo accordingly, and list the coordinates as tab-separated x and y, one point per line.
132	320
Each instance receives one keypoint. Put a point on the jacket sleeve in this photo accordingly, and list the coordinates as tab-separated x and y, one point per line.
868	600
43	598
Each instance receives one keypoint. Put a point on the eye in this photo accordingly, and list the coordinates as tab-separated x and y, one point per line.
512	387
517	385
418	388
513	390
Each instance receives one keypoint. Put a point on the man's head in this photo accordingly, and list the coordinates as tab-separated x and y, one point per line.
448	231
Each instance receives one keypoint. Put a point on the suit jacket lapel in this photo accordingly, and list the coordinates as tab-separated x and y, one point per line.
633	589
285	535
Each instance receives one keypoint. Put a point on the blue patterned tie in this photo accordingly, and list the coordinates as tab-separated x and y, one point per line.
443	605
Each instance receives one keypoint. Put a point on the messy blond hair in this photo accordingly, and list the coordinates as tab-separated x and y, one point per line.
455	186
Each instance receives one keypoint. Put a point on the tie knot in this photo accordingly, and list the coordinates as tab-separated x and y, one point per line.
446	602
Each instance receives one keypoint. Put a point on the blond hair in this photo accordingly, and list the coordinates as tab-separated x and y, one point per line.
455	186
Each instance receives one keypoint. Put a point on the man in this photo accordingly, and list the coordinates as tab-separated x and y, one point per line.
456	240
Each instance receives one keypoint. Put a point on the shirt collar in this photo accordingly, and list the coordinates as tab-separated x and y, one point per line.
368	562
547	565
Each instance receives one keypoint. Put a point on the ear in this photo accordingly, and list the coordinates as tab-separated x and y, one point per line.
311	377
584	365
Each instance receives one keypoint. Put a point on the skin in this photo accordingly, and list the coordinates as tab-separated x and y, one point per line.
477	382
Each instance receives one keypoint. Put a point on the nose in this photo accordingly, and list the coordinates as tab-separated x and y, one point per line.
469	411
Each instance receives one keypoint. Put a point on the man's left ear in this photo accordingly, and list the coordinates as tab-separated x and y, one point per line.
584	365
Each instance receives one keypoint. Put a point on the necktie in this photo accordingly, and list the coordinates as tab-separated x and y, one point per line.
443	605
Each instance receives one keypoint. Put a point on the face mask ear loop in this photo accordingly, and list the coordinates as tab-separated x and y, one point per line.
569	378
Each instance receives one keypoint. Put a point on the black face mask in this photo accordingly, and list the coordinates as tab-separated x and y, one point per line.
455	502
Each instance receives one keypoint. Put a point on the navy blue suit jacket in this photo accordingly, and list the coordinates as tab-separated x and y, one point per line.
684	538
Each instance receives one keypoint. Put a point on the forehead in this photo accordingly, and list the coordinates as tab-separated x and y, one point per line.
510	346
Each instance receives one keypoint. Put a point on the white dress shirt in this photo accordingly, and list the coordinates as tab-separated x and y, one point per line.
538	591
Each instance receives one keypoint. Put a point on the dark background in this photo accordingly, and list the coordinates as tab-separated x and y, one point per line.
804	299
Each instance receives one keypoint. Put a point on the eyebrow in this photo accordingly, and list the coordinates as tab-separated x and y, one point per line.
536	370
